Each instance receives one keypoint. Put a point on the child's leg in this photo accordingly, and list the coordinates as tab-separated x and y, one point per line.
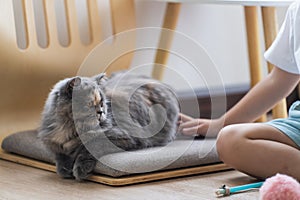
259	150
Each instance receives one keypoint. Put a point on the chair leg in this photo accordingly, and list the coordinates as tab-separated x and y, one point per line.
270	31
166	39
255	61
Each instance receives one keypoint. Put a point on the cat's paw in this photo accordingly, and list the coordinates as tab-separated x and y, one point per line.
83	167
64	166
64	172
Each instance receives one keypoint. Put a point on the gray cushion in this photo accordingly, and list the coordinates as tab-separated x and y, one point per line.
182	153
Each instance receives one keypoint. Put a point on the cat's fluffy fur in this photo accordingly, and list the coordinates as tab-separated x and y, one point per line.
86	118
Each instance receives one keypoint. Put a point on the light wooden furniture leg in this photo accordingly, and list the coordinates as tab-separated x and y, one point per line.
254	52
166	38
270	31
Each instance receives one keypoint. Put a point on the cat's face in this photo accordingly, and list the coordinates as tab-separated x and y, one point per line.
97	103
79	98
89	101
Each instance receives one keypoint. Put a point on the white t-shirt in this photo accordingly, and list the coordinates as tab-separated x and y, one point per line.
285	50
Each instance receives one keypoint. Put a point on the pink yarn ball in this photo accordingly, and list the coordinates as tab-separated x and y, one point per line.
280	187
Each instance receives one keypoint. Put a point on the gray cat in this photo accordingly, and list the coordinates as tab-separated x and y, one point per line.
86	118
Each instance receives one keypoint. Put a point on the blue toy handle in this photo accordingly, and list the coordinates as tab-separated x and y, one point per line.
245	187
225	190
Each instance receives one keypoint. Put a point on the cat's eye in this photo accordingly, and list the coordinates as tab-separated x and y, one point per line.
101	103
91	104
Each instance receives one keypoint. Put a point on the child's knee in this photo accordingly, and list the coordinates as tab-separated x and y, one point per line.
226	140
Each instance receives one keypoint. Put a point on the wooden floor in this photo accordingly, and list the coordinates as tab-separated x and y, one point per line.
22	182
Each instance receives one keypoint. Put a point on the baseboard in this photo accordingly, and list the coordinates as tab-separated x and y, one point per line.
230	94
198	103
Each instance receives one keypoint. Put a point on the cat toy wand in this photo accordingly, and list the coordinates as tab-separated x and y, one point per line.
225	190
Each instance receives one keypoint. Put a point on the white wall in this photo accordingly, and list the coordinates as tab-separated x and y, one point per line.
219	29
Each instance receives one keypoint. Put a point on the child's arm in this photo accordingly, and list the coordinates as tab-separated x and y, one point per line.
261	98
277	85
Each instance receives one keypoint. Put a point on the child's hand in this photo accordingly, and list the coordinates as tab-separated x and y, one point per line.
199	127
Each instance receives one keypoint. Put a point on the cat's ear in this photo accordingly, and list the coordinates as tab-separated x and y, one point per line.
71	84
100	78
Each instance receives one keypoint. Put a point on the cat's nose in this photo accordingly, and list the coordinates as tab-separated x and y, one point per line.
99	112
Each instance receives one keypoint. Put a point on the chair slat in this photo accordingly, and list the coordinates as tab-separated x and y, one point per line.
72	22
30	27
51	22
123	15
8	35
123	18
9	20
94	19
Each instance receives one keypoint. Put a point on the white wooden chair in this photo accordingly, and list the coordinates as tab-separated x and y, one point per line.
29	72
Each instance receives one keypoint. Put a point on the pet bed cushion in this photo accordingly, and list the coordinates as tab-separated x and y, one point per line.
181	154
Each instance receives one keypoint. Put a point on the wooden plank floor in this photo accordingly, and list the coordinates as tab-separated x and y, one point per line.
22	182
